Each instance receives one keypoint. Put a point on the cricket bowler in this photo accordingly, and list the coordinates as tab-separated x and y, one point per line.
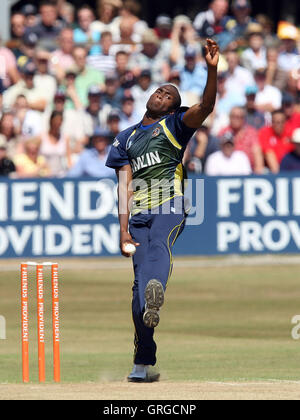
147	158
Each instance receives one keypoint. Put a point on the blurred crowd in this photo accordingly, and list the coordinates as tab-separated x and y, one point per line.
72	79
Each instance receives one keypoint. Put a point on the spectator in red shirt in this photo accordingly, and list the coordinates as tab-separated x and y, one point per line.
245	138
275	141
292	116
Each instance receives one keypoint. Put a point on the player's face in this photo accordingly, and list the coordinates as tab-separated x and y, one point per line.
162	100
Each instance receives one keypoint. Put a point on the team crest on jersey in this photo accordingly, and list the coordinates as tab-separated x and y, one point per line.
116	143
156	132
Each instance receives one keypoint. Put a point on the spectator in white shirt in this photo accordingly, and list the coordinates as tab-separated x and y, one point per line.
104	62
129	115
142	91
255	57
268	98
227	161
238	77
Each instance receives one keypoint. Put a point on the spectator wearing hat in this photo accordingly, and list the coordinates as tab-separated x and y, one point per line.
268	98
61	59
8	72
84	34
255	56
193	75
49	27
254	118
275	141
91	162
183	35
96	113
150	58
113	124
30	163
225	101
291	162
142	91
35	95
288	59
25	51
104	62
213	21
7	166
245	138
30	13
228	161
113	93
241	10
129	115
163	27
43	80
238	77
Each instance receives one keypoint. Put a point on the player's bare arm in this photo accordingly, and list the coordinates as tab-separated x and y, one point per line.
195	116
124	175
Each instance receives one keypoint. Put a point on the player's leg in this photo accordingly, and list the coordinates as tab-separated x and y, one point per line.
145	347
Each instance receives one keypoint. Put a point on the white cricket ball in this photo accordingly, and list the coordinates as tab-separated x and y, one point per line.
129	249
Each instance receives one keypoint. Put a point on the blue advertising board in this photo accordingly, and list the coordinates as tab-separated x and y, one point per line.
67	217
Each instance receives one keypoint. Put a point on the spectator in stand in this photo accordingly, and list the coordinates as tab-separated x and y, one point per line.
183	35
92	161
292	116
113	124
27	122
163	27
112	94
293	84
255	56
228	161
129	13
49	28
199	148
7	166
291	162
30	164
268	98
35	95
242	20
31	15
129	116
245	138
193	75
275	76
42	80
96	113
17	24
125	76
25	51
142	91
270	39
55	147
62	58
7	128
150	58
254	118
108	17
288	59
213	21
238	77
86	76
67	13
8	72
275	142
1	98
103	62
84	34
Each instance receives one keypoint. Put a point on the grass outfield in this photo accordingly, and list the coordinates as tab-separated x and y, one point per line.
220	326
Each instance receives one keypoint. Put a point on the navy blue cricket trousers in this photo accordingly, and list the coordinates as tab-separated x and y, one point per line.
156	234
